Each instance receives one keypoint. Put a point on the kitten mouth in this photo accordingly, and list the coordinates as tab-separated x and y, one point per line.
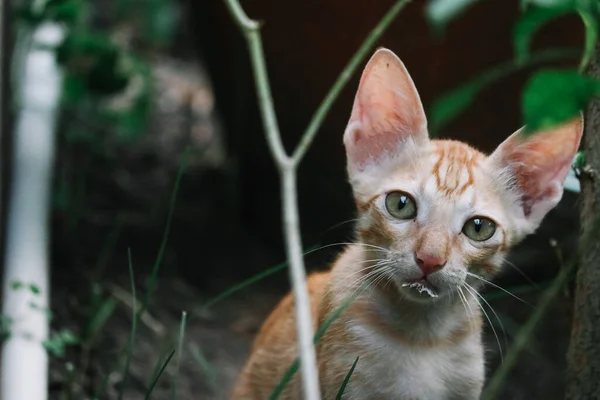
422	286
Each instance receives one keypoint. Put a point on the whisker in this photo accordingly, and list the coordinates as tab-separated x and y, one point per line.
345	244
465	301
370	245
523	274
498	287
341	223
372	278
379	263
470	290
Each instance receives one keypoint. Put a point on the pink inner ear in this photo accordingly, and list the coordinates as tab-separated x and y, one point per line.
542	160
387	110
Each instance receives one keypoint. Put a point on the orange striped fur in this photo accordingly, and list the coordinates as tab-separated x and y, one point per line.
415	323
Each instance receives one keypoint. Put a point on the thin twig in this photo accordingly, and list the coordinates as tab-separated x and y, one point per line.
356	60
287	167
523	337
251	31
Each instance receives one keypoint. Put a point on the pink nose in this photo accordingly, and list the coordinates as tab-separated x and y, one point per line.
428	263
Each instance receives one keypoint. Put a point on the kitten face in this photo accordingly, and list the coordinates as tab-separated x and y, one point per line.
442	214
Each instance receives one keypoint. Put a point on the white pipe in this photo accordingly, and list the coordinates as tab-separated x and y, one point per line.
24	363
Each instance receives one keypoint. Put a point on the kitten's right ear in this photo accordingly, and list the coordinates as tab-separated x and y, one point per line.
533	169
387	113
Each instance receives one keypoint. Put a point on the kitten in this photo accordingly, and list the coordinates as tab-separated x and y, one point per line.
435	218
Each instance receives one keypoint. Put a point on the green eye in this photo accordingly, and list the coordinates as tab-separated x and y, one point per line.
401	205
479	228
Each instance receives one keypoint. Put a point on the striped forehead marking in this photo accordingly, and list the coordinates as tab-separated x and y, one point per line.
454	167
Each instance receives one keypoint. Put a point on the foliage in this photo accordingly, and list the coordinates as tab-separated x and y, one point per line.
564	92
551	96
58	342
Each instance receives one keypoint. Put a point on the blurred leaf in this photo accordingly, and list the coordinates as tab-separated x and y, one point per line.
57	343
161	19
553	96
532	21
99	317
451	104
67	11
34	289
16	285
93	59
73	90
440	12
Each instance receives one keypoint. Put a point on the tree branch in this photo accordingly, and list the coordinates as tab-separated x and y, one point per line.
287	167
583	356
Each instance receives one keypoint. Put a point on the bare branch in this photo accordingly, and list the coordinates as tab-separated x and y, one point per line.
251	31
291	224
287	167
356	60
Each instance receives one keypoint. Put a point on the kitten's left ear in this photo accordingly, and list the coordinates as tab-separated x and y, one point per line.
387	113
533	168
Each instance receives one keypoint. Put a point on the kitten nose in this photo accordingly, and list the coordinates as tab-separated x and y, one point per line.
428	263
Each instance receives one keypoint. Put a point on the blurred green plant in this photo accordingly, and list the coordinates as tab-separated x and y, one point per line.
58	341
551	96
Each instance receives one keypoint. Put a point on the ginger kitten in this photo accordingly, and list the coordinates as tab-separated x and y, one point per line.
435	217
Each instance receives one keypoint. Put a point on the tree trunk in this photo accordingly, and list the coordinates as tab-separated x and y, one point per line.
583	369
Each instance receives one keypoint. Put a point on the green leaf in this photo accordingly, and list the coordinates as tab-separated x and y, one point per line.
440	12
554	96
532	21
16	285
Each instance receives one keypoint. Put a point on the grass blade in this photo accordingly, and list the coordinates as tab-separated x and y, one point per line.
99	318
129	355
253	279
158	375
525	334
161	251
318	334
346	380
179	352
204	364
